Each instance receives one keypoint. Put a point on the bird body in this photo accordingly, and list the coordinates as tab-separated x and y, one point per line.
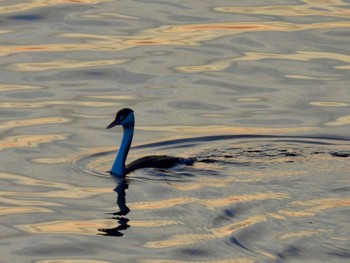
126	118
157	161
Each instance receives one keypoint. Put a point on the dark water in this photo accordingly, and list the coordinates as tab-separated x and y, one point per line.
257	92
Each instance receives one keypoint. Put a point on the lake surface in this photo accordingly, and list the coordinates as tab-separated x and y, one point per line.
257	91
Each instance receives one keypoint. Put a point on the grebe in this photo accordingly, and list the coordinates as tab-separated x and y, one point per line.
126	118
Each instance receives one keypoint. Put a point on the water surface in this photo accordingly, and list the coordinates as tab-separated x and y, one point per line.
258	92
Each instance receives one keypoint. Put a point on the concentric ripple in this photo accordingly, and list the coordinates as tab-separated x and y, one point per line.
212	153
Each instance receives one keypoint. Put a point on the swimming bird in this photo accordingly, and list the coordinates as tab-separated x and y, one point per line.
126	118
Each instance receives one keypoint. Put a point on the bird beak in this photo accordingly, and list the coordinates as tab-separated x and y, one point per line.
112	124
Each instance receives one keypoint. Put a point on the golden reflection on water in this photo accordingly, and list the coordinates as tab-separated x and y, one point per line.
87	227
30	122
29	140
191	34
341	121
230	260
308	77
214	30
13	87
109	15
276	216
328	8
209	203
28	201
241	176
43	104
25	180
190	239
59	189
5	198
316	206
63	64
120	99
114	97
297	234
226	231
34	4
71	260
346	67
76	156
223	64
68	192
5	31
329	104
67	227
220	130
22	210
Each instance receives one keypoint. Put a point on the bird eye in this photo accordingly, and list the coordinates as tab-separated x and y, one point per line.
121	118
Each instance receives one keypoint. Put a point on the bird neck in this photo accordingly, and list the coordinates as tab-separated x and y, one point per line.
118	168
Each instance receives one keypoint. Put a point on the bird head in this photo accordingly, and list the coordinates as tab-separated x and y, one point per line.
123	117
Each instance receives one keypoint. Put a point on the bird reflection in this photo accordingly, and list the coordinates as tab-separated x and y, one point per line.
122	185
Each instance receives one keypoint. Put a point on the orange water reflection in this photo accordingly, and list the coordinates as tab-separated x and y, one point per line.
87	227
209	203
59	189
13	87
223	64
31	4
72	260
78	155
341	121
32	122
190	239
63	64
236	176
68	192
329	104
297	234
221	130
191	34
152	260
22	210
316	206
222	232
29	140
328	8
230	260
20	202
43	104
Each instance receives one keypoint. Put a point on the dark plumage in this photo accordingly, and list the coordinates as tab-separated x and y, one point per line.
157	161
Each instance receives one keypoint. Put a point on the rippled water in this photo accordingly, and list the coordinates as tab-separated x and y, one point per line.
257	91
